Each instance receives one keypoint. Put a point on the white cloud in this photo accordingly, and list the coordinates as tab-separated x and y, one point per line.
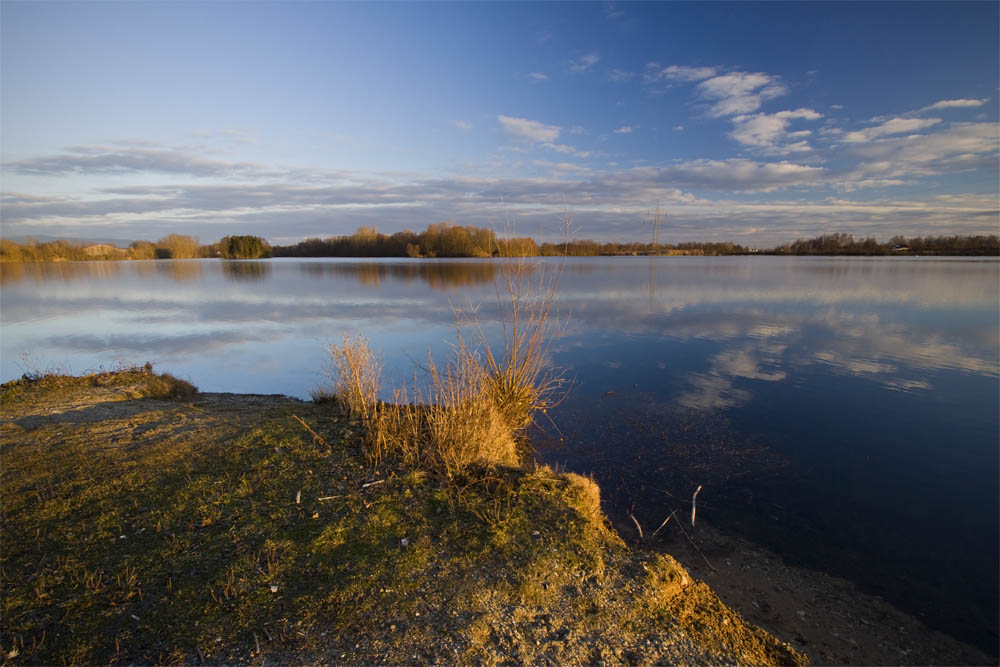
742	174
838	107
740	92
132	158
624	129
655	72
678	128
619	75
531	130
955	104
585	62
961	146
891	126
461	124
795	147
563	148
769	130
560	166
538	76
806	114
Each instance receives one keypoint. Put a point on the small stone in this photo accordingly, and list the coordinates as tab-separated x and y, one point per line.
405	542
274	589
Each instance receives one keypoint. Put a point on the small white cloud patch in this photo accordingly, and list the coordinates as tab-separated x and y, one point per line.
585	62
955	104
889	127
530	130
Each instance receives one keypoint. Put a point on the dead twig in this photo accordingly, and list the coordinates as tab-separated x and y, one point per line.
314	433
331	497
663	524
636	522
378	481
694	507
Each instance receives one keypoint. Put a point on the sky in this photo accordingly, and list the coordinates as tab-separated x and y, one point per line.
744	122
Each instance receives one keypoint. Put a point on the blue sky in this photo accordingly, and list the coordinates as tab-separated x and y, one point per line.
757	123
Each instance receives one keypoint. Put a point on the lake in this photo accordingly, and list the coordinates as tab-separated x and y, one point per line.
842	412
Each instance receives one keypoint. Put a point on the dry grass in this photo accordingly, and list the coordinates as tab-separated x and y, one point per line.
143	381
472	410
450	425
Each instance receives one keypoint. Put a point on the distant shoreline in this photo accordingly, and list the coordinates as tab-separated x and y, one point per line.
451	241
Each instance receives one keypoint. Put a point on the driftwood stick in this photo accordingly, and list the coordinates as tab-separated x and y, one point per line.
636	522
669	516
314	433
694	507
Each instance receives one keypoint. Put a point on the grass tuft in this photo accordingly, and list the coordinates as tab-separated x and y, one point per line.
474	409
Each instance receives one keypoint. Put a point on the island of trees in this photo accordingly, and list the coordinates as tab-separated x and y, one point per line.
447	239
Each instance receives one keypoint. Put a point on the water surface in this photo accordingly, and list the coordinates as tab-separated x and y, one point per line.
843	412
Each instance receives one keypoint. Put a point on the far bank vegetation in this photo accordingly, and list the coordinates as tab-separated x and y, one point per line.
449	240
172	246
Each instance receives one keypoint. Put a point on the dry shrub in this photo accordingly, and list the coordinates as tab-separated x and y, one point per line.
450	425
166	385
473	408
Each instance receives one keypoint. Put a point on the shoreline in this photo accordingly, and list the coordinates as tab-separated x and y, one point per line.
837	623
211	528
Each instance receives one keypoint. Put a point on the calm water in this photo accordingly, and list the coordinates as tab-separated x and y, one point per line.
843	412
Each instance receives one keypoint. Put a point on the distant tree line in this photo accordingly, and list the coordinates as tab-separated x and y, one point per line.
443	239
242	247
446	239
172	246
845	244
